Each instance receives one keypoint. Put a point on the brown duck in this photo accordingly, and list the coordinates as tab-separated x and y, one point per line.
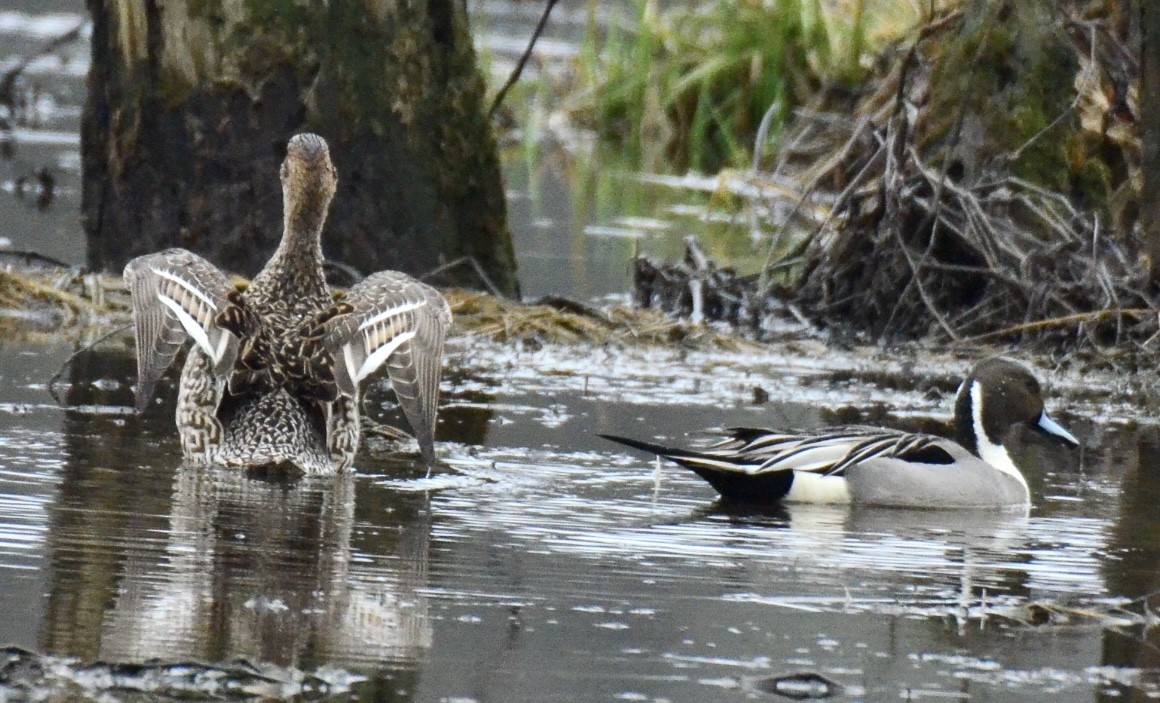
273	375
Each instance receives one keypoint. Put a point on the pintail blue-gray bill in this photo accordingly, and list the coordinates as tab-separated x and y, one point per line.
884	467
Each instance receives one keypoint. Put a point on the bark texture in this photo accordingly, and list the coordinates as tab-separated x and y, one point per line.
1150	133
191	103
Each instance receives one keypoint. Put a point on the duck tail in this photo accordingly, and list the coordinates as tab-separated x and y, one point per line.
730	476
701	462
658	449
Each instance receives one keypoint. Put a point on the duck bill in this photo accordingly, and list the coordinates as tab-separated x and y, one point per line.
1052	428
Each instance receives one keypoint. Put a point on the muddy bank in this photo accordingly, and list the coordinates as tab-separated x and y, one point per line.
557	336
48	301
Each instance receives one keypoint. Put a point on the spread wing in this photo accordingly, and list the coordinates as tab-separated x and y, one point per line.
400	322
176	296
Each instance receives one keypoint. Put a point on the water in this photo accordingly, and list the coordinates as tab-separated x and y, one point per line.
46	136
542	563
576	220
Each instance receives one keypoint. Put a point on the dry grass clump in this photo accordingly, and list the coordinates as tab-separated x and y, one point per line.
66	303
563	321
43	301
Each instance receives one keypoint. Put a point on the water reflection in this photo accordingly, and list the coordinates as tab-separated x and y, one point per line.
546	555
1133	567
153	559
961	567
263	570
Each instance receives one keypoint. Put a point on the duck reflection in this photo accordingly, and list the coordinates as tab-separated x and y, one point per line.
944	560
154	559
263	569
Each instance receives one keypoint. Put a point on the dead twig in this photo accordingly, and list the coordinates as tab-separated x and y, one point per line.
72	357
469	261
1057	322
519	69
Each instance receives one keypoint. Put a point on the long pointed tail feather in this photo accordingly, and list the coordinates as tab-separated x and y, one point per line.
730	478
658	449
689	458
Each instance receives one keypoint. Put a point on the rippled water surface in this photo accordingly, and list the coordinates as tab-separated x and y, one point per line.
544	564
541	563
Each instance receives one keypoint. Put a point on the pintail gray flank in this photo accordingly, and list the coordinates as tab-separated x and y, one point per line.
881	466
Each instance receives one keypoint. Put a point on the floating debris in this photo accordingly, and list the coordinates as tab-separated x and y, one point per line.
562	321
28	675
40	183
694	288
807	686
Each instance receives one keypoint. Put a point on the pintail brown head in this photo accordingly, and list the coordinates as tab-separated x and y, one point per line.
997	395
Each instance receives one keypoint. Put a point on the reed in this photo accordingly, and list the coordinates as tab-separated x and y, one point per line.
689	85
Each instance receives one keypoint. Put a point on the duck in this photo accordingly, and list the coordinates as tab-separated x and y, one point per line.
273	371
876	466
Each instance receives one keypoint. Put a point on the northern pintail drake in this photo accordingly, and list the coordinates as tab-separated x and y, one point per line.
884	467
273	375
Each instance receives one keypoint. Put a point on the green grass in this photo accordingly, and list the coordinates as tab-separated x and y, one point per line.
689	86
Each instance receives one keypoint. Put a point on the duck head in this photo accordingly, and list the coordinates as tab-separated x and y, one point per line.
309	181
996	395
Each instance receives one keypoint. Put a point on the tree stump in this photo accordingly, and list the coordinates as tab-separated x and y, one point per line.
1149	18
190	106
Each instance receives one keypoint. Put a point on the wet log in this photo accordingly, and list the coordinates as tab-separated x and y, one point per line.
190	106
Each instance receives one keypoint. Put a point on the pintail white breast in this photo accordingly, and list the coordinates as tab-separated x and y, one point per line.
880	466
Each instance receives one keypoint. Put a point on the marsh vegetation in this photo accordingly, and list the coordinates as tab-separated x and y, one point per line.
541	563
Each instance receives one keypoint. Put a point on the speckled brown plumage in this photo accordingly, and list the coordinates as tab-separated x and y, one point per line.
272	377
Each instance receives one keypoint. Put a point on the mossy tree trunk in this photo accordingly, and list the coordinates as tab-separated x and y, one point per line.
1150	133
191	103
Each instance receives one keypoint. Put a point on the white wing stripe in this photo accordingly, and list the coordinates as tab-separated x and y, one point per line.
223	344
390	312
348	357
380	355
184	286
190	326
714	463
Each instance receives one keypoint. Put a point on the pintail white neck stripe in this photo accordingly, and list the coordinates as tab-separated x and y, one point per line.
994	454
